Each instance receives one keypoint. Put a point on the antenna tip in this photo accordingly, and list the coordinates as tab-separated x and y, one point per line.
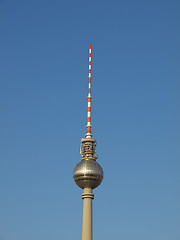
90	45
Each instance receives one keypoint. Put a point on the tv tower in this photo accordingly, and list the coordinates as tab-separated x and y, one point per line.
88	174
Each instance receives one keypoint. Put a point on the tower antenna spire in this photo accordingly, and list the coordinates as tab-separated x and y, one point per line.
89	134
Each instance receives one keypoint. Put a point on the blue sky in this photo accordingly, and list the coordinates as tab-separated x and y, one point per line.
135	117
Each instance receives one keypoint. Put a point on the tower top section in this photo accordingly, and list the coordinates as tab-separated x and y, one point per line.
89	134
88	173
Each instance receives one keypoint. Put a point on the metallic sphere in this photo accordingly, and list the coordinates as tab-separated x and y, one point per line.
88	174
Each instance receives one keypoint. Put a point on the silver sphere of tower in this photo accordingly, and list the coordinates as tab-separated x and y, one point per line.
88	173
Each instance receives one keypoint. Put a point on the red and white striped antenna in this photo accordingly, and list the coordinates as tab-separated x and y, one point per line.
88	134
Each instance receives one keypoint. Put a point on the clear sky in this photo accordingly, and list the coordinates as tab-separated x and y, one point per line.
135	117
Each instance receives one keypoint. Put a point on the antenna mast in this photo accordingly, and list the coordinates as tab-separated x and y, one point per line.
88	134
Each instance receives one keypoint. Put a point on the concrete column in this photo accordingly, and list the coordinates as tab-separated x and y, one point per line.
87	197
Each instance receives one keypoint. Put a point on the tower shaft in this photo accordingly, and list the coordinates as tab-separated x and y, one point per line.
87	197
